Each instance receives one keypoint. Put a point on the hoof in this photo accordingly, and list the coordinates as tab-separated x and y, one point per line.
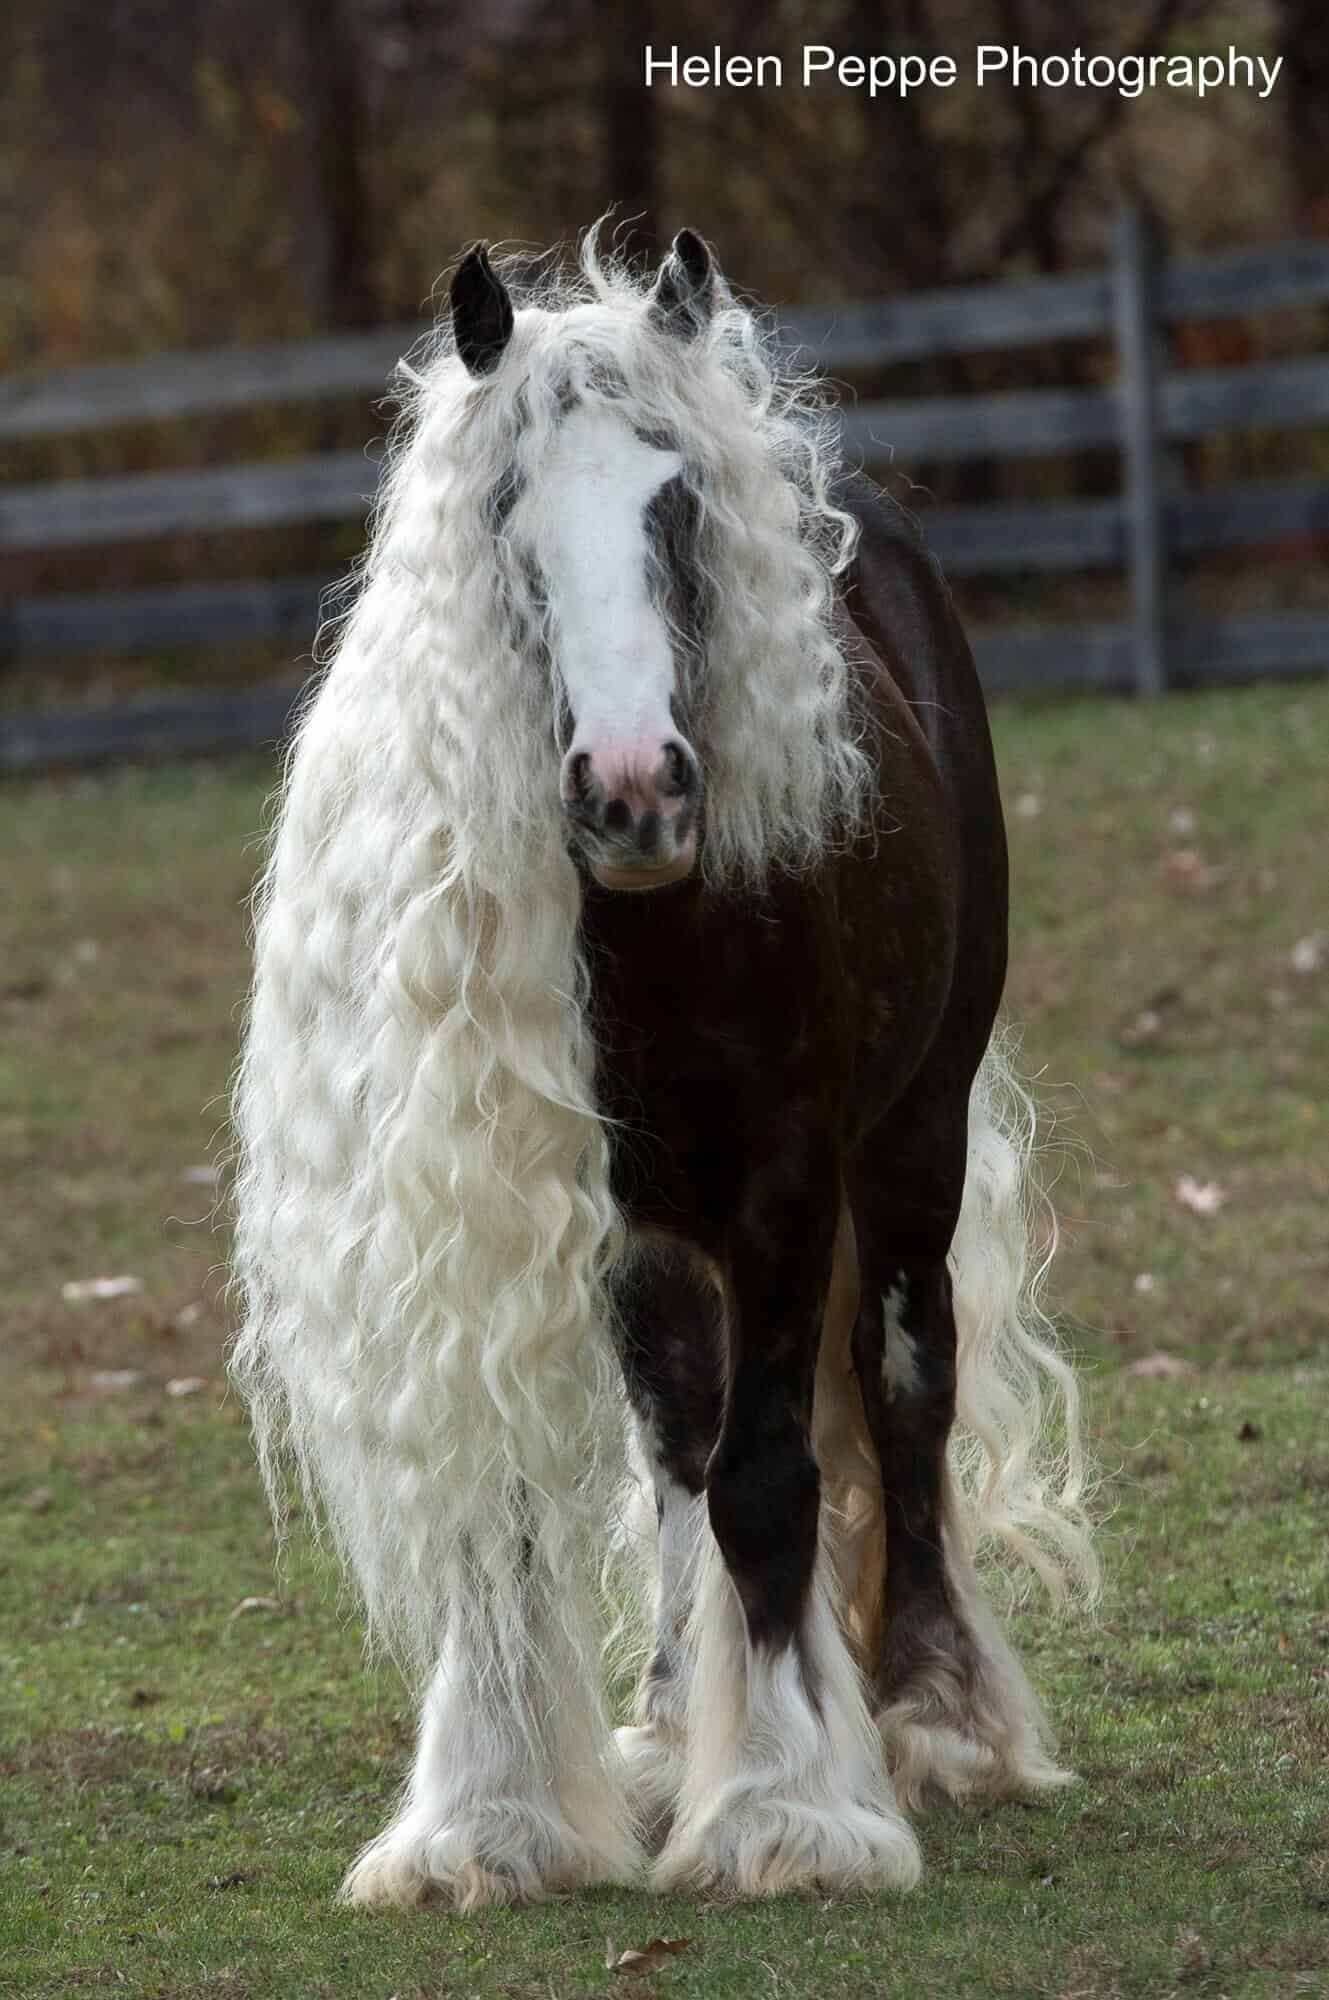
745	1845
505	1852
958	1750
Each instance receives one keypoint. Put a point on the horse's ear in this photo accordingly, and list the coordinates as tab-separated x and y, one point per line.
683	297
481	312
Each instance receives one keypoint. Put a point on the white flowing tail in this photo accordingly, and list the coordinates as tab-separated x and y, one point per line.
1020	1473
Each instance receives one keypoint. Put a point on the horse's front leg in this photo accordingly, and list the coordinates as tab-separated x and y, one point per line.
785	1784
516	1791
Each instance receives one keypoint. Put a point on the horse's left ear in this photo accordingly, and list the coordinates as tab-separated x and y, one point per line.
481	312
684	294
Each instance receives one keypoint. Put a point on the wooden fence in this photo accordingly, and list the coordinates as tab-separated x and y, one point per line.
1145	410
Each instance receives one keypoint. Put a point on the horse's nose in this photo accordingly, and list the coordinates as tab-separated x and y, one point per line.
641	798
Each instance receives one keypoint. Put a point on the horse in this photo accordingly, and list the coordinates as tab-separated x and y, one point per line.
632	1197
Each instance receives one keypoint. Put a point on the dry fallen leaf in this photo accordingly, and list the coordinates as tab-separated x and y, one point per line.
1310	953
1144	1281
1159	1364
254	1604
186	1385
1146	1027
1200	1197
39	1500
1152	1019
649	1959
1185	869
107	1381
79	1289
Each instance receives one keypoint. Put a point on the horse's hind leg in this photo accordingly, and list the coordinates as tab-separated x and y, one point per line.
670	1320
955	1709
785	1782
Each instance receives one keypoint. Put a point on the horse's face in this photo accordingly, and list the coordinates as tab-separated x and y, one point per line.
600	524
630	780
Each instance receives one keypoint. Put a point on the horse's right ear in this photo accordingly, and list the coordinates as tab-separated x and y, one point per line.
683	297
481	312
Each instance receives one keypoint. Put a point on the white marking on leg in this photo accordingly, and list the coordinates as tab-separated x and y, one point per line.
899	1362
653	1747
682	1518
784	1786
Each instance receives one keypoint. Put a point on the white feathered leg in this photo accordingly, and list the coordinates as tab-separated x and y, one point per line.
785	1786
654	1746
508	1800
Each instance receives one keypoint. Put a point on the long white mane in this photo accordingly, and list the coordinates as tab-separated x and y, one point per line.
424	1220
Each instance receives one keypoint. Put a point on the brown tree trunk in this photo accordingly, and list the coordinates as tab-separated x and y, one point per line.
337	118
630	125
1303	43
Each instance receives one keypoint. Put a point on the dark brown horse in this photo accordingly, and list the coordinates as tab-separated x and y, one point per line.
786	919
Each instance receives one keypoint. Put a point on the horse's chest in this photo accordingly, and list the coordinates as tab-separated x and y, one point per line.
712	1034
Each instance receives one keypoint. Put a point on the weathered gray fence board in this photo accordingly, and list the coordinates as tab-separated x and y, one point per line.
1292	273
188	726
182	385
136	621
1272	395
1235	649
969	541
1137	531
960	319
331	486
1022	423
991	541
1263	510
1018	423
1049	659
1091	534
1042	659
1054	658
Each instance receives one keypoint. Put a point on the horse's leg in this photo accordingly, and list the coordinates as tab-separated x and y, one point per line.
785	1780
515	1790
671	1330
955	1709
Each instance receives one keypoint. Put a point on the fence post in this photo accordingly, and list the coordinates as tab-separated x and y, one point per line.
1136	263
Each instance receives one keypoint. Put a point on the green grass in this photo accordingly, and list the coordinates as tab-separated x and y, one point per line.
182	1779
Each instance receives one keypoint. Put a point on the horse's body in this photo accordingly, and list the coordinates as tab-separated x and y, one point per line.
797	1169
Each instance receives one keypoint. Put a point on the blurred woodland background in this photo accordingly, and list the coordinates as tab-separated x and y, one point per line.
181	174
186	172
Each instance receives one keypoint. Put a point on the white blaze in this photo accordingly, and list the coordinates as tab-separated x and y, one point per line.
586	524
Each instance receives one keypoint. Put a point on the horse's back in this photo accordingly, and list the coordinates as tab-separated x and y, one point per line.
922	683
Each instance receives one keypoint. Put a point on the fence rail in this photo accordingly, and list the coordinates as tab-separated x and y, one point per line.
1146	408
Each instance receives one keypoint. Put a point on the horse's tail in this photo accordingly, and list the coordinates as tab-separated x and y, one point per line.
1020	1474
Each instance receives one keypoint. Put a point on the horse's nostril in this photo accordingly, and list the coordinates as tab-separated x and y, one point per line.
579	773
618	816
680	771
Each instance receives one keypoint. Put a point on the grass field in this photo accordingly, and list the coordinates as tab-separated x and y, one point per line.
189	1753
